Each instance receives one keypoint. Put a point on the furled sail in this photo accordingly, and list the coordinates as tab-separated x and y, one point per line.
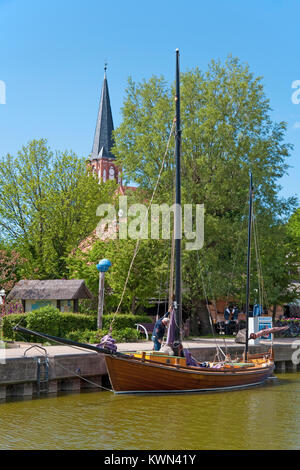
268	331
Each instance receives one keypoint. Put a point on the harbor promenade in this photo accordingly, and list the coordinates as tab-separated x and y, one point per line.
28	370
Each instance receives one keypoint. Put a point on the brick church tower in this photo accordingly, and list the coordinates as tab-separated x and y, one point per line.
101	160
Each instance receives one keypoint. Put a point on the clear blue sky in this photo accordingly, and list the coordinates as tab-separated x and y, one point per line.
52	54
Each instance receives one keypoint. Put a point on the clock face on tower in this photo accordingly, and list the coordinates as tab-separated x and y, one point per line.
111	173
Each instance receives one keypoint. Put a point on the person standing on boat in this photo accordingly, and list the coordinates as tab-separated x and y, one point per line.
159	331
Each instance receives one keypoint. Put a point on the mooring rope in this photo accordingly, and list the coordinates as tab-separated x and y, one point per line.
80	376
64	367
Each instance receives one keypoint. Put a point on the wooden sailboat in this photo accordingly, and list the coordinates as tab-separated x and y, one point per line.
157	372
148	372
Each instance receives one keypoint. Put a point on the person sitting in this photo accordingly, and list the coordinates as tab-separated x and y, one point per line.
235	318
159	332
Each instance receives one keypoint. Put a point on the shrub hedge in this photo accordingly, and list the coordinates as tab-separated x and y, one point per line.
8	323
51	321
126	334
45	320
75	321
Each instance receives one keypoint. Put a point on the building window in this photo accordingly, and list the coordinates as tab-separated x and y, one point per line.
111	173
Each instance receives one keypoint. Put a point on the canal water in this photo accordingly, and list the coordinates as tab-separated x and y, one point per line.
263	417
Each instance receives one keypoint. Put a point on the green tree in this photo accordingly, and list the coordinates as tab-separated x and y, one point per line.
48	204
227	132
147	279
293	228
280	269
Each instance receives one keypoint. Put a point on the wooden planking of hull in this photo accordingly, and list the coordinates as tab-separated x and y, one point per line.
134	376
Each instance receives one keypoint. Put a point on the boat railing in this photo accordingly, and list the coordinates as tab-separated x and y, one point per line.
146	328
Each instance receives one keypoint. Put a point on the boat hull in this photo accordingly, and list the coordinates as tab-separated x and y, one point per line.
128	375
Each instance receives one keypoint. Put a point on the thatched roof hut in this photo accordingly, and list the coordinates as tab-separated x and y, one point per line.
62	293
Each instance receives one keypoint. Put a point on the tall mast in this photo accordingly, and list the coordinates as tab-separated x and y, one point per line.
177	304
248	264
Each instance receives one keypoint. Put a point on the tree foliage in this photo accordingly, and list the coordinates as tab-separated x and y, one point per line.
48	200
293	228
147	280
227	132
48	204
10	263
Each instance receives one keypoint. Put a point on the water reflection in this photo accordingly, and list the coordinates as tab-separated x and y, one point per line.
264	417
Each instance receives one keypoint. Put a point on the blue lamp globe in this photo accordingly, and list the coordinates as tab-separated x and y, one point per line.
103	265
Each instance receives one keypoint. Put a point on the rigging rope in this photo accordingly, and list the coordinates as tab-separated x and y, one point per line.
137	245
162	287
218	349
263	295
236	251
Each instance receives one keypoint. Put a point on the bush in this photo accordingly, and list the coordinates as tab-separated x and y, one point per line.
9	322
45	319
75	321
126	335
94	337
88	306
11	308
86	336
75	326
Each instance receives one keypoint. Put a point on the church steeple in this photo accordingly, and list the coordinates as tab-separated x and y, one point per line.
102	161
103	139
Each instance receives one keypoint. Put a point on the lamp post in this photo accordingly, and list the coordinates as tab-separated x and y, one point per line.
2	297
102	267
